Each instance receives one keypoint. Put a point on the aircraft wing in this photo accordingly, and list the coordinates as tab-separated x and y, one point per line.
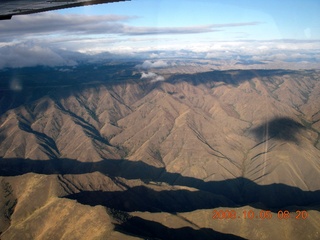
19	7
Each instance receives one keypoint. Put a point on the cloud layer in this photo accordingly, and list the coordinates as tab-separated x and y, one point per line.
25	55
54	23
32	40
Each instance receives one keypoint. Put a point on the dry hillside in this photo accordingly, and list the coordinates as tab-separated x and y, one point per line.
140	159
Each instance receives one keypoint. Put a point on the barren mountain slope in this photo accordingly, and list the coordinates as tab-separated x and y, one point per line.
189	144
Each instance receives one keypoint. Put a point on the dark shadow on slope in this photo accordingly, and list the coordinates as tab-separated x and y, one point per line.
239	191
281	128
46	142
231	77
88	128
145	199
137	226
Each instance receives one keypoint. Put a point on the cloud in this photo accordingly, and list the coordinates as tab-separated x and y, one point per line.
152	76
59	24
55	22
183	30
98	33
259	49
75	24
27	55
128	30
154	55
156	64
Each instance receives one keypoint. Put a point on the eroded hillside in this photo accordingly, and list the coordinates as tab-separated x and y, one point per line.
161	154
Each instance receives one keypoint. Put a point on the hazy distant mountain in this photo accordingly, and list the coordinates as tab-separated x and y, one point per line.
152	157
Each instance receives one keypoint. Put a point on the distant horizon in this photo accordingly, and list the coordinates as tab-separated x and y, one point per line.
257	31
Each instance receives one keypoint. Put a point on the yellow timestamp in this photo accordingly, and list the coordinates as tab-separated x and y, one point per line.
262	214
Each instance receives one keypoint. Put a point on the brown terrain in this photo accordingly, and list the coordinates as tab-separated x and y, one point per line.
140	159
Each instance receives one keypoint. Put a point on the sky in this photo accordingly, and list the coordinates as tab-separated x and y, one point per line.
209	27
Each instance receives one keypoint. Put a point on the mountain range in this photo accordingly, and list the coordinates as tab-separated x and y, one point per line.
98	152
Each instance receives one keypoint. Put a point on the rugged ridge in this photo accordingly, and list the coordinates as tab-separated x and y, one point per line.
214	139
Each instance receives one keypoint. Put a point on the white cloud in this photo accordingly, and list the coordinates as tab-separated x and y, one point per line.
154	55
152	76
154	64
148	75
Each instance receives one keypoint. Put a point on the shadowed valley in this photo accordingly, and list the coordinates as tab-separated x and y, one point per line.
151	159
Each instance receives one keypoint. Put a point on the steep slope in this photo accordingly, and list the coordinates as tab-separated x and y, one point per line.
148	151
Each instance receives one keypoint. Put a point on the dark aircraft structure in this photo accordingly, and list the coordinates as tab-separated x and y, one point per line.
20	7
